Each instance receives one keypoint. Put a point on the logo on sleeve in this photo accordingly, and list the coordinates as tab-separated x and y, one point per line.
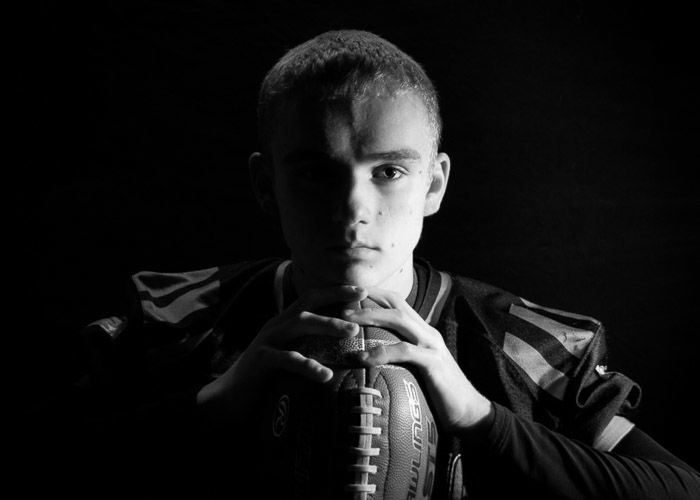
279	419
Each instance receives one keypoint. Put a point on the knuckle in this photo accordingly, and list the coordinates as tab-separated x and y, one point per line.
331	321
433	358
301	316
334	326
295	356
345	327
378	353
367	316
340	326
383	351
308	364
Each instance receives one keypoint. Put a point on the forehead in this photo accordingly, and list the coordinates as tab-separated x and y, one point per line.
355	127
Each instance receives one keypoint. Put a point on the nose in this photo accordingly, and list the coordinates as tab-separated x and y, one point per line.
354	202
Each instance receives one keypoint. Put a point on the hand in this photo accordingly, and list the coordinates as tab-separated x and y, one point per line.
459	406
233	390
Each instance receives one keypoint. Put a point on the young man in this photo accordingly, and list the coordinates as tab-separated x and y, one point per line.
350	131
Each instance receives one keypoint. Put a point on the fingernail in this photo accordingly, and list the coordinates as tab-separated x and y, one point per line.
348	312
363	355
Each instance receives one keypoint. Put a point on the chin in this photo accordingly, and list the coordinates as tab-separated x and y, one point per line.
365	275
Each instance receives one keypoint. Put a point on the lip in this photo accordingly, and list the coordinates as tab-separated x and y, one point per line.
351	244
355	249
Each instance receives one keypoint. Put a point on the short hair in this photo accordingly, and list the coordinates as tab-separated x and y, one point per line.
344	64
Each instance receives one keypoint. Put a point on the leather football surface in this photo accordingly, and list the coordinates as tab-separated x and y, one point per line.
369	433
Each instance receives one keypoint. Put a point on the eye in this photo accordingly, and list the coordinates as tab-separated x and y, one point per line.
389	172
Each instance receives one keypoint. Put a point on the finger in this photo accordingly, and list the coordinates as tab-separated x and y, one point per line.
392	300
308	323
387	298
392	319
401	352
295	362
316	298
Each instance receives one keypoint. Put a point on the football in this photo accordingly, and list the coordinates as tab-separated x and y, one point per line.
369	433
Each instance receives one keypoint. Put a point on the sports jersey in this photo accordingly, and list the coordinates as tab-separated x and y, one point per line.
559	413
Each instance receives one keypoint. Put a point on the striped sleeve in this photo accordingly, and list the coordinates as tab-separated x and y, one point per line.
176	299
564	354
192	299
548	343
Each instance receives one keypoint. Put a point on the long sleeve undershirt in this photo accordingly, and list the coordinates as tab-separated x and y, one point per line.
521	455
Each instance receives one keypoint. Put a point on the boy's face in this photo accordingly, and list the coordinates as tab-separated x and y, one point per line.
352	181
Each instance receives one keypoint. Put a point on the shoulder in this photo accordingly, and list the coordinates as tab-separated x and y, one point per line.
172	284
551	362
549	346
173	297
176	320
501	312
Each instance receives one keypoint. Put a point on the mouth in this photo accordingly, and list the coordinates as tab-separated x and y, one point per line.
352	249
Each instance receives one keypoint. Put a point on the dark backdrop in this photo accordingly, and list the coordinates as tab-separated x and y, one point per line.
568	124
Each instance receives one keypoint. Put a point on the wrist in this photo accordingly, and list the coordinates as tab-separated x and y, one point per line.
480	418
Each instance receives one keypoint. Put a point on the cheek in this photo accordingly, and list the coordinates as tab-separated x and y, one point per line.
402	205
405	207
297	207
298	222
402	222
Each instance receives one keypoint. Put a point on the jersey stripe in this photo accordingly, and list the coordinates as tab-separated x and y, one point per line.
112	326
535	366
613	433
540	340
574	340
436	309
565	317
163	288
160	285
178	309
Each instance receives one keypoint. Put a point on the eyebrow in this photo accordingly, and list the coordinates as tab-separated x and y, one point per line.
396	155
307	155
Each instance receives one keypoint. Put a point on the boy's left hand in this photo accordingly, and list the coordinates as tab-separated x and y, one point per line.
459	406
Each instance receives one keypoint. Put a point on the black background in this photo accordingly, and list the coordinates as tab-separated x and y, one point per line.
569	126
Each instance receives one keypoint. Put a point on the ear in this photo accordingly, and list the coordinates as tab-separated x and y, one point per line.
263	181
438	184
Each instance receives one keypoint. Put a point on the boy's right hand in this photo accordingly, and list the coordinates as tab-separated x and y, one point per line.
269	350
